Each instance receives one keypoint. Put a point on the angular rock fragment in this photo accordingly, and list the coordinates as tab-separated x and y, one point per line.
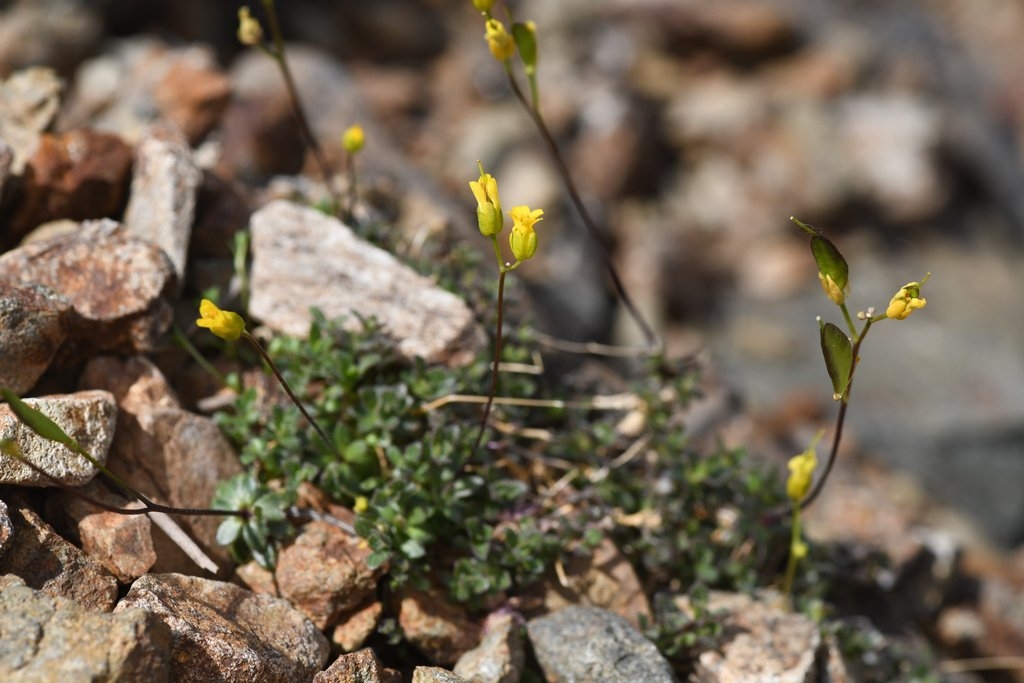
47	638
223	632
89	417
304	259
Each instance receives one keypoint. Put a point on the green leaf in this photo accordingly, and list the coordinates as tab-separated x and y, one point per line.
838	352
37	422
830	261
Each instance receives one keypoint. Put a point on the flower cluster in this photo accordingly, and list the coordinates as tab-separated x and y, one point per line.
523	240
906	301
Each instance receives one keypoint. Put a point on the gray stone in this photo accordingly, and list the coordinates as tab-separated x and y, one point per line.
434	674
764	641
117	284
221	632
6	526
500	656
46	638
89	417
303	258
162	200
591	644
358	667
48	563
33	325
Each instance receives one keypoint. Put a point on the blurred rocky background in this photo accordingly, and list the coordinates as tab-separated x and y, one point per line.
695	128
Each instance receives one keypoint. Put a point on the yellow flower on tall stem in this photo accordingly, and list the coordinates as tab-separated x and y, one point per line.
225	324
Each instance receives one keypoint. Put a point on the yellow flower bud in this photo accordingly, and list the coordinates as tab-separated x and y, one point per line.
353	139
801	471
907	300
501	43
488	206
225	324
483	5
832	289
361	504
523	240
249	30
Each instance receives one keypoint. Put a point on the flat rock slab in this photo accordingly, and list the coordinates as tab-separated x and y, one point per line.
592	644
48	563
162	202
304	259
46	638
221	632
89	417
33	325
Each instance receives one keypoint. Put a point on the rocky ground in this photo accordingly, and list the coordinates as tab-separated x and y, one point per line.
137	139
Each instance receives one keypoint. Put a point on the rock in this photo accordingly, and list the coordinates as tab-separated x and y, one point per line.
33	325
222	632
591	644
118	285
49	638
53	33
352	631
143	81
29	101
501	654
170	454
48	563
89	417
433	674
6	526
605	579
122	544
440	630
79	175
358	667
161	207
192	93
324	573
762	642
303	258
890	143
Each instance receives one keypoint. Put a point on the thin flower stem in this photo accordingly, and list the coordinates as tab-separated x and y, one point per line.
350	207
653	342
794	540
288	390
278	53
497	361
147	504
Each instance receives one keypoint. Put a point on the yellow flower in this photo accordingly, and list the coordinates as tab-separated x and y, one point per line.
488	206
523	240
224	324
483	5
249	30
907	300
801	471
832	289
361	504
353	139
501	43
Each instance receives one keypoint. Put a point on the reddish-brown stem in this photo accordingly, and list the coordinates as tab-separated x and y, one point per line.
650	338
497	361
296	104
